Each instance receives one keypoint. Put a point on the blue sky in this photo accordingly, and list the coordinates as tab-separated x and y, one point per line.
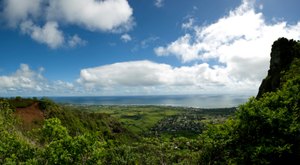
139	47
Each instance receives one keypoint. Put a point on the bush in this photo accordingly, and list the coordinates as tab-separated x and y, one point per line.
14	148
263	131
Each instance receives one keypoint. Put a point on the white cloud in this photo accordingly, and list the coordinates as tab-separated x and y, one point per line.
183	48
95	15
146	76
76	41
92	14
48	34
142	73
16	11
23	79
240	41
159	3
126	78
28	82
126	38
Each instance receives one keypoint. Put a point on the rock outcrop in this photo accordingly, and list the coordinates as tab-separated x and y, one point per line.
283	53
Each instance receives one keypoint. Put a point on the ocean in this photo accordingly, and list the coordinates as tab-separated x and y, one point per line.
196	101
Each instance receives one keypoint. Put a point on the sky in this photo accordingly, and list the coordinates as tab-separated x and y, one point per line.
140	47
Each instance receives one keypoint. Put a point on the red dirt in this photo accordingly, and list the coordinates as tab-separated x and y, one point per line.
31	117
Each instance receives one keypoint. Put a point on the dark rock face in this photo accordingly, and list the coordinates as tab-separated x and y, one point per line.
282	54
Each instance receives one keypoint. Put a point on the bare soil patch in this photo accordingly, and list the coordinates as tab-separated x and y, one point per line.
31	117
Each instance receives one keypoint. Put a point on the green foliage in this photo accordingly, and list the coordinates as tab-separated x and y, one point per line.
13	146
294	70
61	148
48	107
167	151
79	122
19	102
263	131
6	114
119	154
53	130
57	146
152	151
83	149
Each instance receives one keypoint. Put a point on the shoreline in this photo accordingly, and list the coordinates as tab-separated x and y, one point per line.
145	105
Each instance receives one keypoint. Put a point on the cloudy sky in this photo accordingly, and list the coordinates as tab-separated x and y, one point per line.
140	47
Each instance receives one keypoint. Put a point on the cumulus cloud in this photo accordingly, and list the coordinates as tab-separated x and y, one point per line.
48	34
91	14
16	11
183	48
28	82
147	76
126	38
141	73
30	15
241	42
23	79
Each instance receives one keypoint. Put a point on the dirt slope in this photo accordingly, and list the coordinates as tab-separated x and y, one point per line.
31	117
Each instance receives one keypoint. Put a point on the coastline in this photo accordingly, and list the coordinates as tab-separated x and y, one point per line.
182	101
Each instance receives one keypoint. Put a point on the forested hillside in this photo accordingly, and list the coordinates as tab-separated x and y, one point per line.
265	130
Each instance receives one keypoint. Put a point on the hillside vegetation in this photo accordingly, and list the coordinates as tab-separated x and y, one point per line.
265	130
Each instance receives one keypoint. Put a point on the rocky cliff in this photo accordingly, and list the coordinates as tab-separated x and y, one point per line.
283	53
